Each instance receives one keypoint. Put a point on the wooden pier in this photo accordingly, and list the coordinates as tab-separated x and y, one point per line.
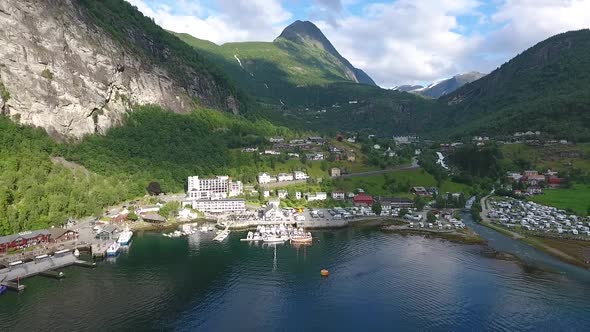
18	287
52	274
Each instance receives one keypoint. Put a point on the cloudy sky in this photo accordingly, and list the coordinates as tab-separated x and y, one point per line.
395	42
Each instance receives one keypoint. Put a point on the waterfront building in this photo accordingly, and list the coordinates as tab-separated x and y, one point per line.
388	203
24	240
59	234
217	205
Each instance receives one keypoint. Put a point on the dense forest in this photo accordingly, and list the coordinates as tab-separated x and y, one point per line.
36	191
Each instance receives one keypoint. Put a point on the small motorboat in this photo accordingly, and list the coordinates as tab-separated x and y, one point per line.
125	237
77	253
113	249
3	289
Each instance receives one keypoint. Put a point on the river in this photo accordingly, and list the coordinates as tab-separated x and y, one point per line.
378	281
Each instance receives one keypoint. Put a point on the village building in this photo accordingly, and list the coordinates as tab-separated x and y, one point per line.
107	232
362	199
420	191
266	194
264	178
299	175
388	203
217	205
319	196
58	235
282	194
272	152
276	139
153	218
236	188
211	188
338	195
335	172
316	156
298	195
282	177
23	240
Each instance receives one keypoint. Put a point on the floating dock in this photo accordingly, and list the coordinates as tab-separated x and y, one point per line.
44	265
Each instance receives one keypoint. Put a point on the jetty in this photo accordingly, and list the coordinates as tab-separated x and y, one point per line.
46	266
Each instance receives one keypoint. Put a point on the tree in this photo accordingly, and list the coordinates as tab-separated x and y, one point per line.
419	203
154	188
324	165
430	217
132	216
403	212
377	208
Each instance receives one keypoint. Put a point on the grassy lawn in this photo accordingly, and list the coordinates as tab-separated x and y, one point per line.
547	157
417	177
576	199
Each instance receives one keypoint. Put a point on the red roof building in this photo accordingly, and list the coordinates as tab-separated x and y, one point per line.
363	199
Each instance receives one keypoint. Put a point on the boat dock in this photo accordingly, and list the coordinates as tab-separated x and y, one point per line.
46	266
99	250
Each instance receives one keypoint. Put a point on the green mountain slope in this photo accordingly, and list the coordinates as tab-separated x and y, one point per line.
300	56
545	88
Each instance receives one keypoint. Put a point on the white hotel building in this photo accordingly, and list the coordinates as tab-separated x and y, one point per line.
217	205
211	194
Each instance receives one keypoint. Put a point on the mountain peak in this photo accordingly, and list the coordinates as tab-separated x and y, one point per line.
306	33
302	32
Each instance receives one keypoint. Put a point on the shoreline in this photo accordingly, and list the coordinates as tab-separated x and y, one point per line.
533	241
466	237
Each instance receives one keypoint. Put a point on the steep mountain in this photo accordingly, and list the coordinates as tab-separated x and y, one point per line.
272	71
544	88
443	87
306	33
75	67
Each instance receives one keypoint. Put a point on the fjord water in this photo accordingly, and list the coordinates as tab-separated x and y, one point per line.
378	281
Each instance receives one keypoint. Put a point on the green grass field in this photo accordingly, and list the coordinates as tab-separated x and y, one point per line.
576	199
374	185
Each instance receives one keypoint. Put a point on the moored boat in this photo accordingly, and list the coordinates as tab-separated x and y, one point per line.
125	237
113	249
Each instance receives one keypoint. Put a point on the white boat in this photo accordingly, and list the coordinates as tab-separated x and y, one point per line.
76	253
252	237
273	239
125	237
203	229
113	249
221	236
300	236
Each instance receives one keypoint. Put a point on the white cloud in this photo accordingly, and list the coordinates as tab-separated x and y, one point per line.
235	20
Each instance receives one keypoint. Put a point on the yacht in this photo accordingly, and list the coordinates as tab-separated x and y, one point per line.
272	238
252	236
113	249
125	237
300	236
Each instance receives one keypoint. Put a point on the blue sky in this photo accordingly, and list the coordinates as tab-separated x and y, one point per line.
394	41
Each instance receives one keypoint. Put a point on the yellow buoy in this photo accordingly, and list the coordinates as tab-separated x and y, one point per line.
324	273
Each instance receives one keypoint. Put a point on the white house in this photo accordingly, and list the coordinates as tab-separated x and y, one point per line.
264	178
298	195
236	188
299	175
284	177
276	139
266	194
272	152
338	195
282	194
319	196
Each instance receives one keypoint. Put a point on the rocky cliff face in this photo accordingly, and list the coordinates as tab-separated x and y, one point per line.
62	73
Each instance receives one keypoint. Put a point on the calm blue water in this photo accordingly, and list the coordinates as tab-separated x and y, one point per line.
378	281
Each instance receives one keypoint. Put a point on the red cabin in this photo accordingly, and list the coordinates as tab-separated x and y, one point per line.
363	199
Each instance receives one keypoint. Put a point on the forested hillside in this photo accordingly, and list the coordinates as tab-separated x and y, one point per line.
155	145
35	192
545	88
